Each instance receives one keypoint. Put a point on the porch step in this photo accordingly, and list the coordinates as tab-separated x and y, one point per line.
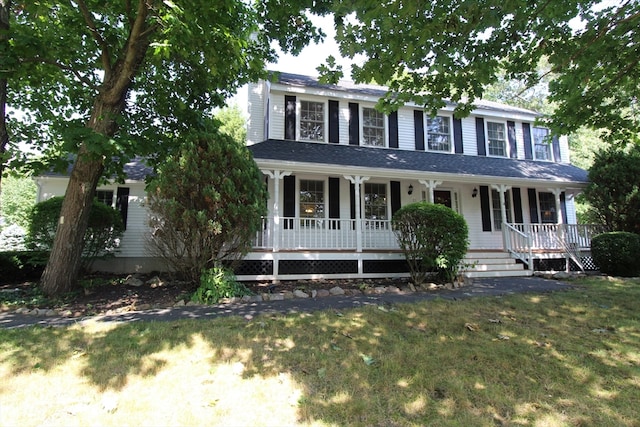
494	264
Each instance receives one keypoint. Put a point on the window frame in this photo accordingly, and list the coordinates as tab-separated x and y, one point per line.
385	126
387	201
496	211
547	144
325	119
552	209
315	203
104	191
505	140
427	133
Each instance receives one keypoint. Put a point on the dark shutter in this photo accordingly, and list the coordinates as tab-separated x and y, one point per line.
395	197
533	205
517	205
482	147
511	135
334	129
393	130
290	117
485	208
122	203
354	124
528	148
334	202
555	143
563	207
457	136
418	125
289	205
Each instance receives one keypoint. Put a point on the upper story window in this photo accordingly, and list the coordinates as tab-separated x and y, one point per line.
373	127
312	118
497	137
105	196
542	149
375	201
438	134
548	213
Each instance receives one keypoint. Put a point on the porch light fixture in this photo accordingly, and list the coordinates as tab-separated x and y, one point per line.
474	193
410	192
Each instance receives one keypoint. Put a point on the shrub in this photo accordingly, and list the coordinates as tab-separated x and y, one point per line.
206	203
101	239
217	283
617	253
433	238
19	266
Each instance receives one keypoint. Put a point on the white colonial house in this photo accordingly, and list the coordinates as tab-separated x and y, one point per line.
337	170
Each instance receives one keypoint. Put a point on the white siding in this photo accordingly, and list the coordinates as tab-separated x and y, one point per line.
343	122
564	150
256	111
406	130
276	116
470	145
520	140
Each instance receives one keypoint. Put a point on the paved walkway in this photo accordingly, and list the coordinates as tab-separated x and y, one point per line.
479	287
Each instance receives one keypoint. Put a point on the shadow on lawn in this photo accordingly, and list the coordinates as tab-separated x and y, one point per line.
396	364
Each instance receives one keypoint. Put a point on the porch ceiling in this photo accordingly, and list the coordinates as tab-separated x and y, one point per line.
324	156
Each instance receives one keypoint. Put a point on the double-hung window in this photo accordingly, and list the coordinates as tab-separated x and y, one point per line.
497	139
497	209
311	202
105	196
438	134
542	149
373	127
548	213
312	119
375	201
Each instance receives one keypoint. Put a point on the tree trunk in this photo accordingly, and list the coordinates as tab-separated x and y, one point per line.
4	39
61	273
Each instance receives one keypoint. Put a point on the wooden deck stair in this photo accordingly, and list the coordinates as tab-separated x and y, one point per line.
493	264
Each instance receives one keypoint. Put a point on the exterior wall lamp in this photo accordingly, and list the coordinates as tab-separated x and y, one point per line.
474	193
410	192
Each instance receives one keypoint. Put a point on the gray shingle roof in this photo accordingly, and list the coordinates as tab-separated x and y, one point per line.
136	170
414	161
298	80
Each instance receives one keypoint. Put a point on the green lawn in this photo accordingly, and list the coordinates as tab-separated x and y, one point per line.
567	358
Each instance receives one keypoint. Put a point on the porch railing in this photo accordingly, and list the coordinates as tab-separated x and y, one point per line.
329	234
518	243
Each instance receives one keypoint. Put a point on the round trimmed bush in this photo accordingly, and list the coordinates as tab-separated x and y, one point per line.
617	253
432	237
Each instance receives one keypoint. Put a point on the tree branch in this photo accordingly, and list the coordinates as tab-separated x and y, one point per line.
64	67
104	47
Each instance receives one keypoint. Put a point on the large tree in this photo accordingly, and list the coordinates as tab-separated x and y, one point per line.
430	51
104	81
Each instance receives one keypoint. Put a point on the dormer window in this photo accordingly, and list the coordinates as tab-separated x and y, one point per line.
438	134
312	121
497	139
373	132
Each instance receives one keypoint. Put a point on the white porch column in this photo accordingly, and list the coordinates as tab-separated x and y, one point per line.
431	185
557	192
357	182
277	176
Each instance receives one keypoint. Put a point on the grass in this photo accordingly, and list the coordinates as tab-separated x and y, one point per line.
567	358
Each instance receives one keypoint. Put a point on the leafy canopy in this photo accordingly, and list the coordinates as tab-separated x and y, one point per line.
429	52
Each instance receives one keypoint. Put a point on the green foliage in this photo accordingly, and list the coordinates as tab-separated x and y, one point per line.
16	200
206	201
217	283
614	189
101	238
432	236
22	265
429	52
616	253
